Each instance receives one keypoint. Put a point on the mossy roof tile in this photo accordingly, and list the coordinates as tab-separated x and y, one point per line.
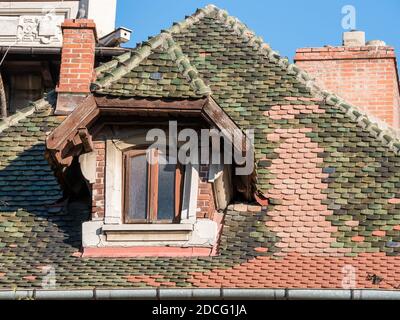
211	53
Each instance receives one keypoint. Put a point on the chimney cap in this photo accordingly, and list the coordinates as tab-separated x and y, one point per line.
376	43
80	24
354	38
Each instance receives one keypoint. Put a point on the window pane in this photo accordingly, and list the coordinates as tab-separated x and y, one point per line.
137	182
166	192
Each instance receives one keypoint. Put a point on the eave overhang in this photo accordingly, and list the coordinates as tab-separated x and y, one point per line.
72	137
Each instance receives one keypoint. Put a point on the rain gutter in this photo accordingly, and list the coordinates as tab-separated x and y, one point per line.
100	51
197	293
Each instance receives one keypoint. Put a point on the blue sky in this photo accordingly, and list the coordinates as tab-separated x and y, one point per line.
285	25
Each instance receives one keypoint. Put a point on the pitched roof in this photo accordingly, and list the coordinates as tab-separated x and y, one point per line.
332	175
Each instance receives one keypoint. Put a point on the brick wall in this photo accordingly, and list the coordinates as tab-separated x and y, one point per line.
77	58
364	76
98	190
205	200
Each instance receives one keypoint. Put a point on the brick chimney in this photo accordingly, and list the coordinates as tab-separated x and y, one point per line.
364	74
77	63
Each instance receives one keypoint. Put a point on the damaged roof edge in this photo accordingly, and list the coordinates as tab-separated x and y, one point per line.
200	293
48	99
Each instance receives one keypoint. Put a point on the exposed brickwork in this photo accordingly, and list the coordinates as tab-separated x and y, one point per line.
77	57
205	198
364	76
205	201
98	190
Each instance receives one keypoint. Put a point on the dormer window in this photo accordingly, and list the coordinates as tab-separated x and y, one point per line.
140	204
152	189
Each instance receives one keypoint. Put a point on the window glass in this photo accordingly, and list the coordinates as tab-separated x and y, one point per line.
152	191
137	182
166	191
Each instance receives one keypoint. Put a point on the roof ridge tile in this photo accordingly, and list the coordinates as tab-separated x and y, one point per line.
187	69
112	63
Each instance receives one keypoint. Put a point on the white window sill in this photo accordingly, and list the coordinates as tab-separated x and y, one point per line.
148	232
149	227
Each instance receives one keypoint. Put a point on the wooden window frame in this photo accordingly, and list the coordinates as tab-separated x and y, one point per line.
152	188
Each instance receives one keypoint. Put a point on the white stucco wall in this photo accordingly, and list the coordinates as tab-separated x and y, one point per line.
103	12
204	234
24	23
